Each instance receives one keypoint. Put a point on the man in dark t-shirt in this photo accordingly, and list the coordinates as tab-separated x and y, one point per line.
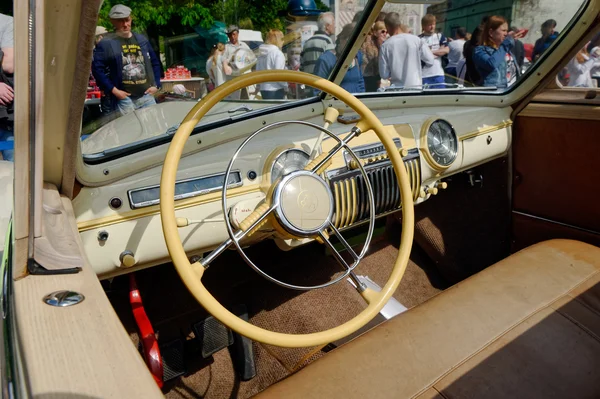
125	65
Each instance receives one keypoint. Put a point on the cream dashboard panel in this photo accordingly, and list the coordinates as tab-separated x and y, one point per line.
107	232
483	134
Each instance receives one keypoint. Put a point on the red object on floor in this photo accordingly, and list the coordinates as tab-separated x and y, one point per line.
149	342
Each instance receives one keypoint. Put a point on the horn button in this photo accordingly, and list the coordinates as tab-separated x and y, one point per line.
305	203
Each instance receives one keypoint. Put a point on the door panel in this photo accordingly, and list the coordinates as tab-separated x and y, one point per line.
554	187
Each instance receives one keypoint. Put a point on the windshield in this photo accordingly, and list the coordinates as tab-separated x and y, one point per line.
154	60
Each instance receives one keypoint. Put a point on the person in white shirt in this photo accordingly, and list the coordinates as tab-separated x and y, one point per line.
271	57
455	55
401	56
214	66
580	67
438	44
231	48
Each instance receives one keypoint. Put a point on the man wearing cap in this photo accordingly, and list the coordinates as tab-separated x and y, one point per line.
234	45
100	33
125	65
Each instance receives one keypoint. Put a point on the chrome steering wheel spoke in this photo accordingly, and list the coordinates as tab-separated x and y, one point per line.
287	214
338	256
236	238
342	143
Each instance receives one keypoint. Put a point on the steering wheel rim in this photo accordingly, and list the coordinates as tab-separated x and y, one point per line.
191	274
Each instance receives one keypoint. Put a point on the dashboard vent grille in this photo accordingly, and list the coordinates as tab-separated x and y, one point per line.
350	192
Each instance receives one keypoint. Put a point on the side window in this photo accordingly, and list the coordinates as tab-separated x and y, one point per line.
460	43
583	71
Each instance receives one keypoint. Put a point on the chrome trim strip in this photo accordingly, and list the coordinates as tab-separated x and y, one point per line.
138	205
558	223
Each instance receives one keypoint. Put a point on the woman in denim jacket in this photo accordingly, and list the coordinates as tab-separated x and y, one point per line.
493	58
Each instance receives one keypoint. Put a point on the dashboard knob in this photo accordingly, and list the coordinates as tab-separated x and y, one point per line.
431	190
442	185
403	152
353	164
127	258
422	194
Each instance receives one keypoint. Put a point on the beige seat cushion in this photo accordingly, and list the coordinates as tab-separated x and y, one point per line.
526	327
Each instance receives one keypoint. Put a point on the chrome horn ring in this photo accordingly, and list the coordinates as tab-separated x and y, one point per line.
341	145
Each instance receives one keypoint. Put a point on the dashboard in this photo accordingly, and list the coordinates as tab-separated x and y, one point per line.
120	226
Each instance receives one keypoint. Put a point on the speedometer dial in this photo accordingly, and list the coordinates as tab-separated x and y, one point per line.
288	162
440	144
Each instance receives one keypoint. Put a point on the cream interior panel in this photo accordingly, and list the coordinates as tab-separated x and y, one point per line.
484	147
144	238
139	230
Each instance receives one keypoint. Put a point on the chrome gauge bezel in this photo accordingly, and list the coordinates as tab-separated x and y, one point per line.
282	153
425	136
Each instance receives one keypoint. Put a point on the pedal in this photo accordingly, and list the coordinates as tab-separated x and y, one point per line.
173	359
242	353
212	336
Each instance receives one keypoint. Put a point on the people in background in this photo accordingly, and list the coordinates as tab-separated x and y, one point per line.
125	65
494	59
271	57
319	43
353	81
233	33
401	56
214	65
518	50
433	75
100	33
455	55
580	67
471	74
105	101
549	35
7	95
370	50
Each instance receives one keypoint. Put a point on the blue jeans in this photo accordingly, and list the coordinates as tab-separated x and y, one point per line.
128	104
432	80
451	75
7	144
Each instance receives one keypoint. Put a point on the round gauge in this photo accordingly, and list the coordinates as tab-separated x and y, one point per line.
441	144
288	162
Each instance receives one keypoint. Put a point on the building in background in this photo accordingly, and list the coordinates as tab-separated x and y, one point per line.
526	14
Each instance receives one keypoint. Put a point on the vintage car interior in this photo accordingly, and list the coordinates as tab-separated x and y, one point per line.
405	242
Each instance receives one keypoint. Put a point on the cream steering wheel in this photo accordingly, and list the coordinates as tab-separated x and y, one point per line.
191	274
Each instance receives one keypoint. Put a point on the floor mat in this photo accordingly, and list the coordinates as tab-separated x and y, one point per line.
173	310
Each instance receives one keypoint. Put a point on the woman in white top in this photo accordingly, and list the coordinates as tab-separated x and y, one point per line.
580	67
214	65
271	57
456	52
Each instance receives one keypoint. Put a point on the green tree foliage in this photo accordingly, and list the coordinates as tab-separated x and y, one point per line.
169	16
173	17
